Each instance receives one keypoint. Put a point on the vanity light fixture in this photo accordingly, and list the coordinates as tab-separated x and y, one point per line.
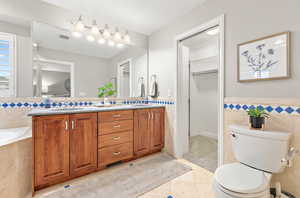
93	32
90	38
111	43
94	28
101	40
127	37
106	32
117	35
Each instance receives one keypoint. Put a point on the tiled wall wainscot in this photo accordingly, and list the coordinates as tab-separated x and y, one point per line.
284	116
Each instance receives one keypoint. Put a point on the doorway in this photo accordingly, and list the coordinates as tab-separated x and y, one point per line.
200	93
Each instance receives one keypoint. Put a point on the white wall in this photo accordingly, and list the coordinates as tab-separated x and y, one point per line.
90	72
243	22
204	89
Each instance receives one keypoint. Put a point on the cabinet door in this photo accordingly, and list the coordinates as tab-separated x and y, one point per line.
157	129
51	149
141	132
83	143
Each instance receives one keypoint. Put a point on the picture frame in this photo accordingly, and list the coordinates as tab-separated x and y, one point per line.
266	58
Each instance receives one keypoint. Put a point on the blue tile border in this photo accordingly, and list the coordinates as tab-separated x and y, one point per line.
20	104
288	110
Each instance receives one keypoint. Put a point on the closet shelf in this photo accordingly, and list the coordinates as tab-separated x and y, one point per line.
206	71
205	59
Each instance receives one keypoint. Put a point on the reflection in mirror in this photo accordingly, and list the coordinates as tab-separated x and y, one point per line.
65	66
53	78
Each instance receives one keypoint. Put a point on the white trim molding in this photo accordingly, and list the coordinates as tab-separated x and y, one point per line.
12	39
181	139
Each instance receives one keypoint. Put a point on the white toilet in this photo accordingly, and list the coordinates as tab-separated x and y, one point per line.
259	154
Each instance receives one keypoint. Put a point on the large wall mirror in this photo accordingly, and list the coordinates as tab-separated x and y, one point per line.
42	60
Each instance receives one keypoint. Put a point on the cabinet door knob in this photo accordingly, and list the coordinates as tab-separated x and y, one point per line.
116	153
116	138
117	126
116	116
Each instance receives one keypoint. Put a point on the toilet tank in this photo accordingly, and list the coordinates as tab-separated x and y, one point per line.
260	149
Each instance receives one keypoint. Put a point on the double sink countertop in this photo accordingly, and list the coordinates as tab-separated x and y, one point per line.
72	110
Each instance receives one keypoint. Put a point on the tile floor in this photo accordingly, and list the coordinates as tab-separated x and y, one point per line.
194	184
203	152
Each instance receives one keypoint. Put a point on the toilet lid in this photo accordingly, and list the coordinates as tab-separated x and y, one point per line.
240	178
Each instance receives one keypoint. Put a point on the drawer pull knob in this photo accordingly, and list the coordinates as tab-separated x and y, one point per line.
117	138
117	126
117	153
116	116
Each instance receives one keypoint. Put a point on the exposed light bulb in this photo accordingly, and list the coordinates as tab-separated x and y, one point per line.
111	43
94	29
101	40
117	35
76	34
106	32
79	26
35	45
120	45
90	38
127	37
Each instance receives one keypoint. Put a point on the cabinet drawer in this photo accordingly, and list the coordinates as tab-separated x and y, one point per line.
115	139
115	126
116	153
115	115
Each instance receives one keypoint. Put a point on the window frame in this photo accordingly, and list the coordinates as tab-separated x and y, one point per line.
11	38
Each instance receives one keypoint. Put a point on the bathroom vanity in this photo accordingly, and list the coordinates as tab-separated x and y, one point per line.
73	143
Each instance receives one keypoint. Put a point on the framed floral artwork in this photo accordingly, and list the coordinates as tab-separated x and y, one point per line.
265	58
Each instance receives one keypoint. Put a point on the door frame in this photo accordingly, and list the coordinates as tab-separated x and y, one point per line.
181	138
130	77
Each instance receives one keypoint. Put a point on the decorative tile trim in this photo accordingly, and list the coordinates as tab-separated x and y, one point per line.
22	104
287	110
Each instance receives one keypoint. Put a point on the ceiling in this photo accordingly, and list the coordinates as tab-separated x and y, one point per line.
142	16
49	37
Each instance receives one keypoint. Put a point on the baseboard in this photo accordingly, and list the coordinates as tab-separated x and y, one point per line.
207	134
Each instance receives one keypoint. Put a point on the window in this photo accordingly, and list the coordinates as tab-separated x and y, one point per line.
7	65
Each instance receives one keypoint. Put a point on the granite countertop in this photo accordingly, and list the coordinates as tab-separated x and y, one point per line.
72	110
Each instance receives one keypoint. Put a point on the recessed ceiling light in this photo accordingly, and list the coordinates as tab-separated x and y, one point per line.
213	31
34	44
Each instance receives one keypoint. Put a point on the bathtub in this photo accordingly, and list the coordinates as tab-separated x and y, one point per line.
12	135
16	162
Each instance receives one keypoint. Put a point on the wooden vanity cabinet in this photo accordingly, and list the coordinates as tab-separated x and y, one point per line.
65	146
83	143
148	131
68	146
51	149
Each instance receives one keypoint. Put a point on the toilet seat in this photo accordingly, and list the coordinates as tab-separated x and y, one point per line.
238	179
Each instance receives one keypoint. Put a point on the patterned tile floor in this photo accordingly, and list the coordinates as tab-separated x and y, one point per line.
194	184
